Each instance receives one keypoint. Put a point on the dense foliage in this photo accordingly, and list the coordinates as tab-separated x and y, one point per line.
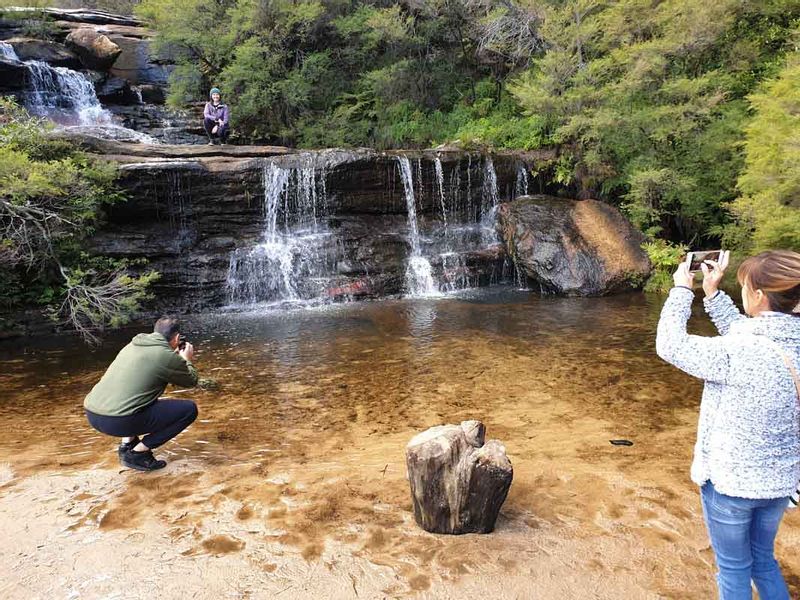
768	213
51	197
340	72
648	102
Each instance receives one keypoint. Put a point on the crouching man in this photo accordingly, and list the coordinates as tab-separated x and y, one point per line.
125	402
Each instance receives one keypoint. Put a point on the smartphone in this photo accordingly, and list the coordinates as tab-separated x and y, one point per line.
695	259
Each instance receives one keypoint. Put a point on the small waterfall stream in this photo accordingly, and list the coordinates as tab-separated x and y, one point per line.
7	51
419	274
297	254
521	183
63	94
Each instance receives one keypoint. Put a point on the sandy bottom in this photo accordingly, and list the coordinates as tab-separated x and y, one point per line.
292	482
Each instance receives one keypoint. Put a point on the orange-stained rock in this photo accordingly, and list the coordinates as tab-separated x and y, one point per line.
94	49
573	247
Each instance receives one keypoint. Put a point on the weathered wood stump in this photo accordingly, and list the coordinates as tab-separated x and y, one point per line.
458	483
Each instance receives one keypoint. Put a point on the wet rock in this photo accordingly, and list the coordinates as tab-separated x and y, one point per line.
572	247
46	51
95	50
196	213
114	90
76	15
13	75
152	94
458	481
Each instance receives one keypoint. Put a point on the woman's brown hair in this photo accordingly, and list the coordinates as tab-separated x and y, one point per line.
777	274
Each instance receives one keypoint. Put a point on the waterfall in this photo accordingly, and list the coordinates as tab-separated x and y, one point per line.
491	197
419	273
68	97
63	92
440	186
521	184
7	52
489	201
304	254
297	254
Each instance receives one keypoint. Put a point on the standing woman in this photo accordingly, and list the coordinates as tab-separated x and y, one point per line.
215	117
747	454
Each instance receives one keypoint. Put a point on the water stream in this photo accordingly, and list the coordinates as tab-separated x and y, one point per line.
419	273
297	254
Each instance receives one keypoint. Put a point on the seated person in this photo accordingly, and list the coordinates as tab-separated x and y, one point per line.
215	118
125	402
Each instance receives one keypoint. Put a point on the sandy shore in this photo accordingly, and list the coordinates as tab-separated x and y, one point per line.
179	534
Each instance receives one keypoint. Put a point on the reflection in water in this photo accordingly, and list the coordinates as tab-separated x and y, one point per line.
295	365
308	428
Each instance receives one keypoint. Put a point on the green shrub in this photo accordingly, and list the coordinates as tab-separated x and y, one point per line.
51	201
665	258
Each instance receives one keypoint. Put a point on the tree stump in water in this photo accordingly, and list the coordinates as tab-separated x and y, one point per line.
458	483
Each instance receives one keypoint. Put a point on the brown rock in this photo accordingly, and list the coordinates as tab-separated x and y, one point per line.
52	53
458	483
95	50
573	247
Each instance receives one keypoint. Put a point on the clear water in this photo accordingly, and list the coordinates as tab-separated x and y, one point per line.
307	429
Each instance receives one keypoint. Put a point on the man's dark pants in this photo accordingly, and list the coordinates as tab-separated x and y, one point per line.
162	420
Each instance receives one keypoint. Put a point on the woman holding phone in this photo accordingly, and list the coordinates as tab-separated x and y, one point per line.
747	454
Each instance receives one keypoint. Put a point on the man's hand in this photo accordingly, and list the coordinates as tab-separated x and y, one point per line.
683	276
187	353
713	272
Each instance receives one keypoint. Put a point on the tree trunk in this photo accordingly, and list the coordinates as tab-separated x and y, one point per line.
458	483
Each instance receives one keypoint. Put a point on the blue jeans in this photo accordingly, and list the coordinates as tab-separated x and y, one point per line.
742	533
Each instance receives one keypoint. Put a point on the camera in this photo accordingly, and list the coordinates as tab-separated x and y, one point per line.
695	259
181	342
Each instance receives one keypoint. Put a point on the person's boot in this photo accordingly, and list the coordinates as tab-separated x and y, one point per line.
142	461
124	447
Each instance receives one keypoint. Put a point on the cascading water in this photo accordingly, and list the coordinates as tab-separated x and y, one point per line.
521	184
307	254
63	94
439	170
7	51
419	273
491	197
489	202
444	259
68	98
298	254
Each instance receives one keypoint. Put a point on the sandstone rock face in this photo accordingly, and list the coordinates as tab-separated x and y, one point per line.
136	63
192	208
458	482
572	247
95	50
46	51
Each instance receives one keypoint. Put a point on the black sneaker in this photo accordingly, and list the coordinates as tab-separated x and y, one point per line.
142	461
124	447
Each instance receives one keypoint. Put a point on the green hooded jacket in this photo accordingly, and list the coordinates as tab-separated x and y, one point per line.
138	376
